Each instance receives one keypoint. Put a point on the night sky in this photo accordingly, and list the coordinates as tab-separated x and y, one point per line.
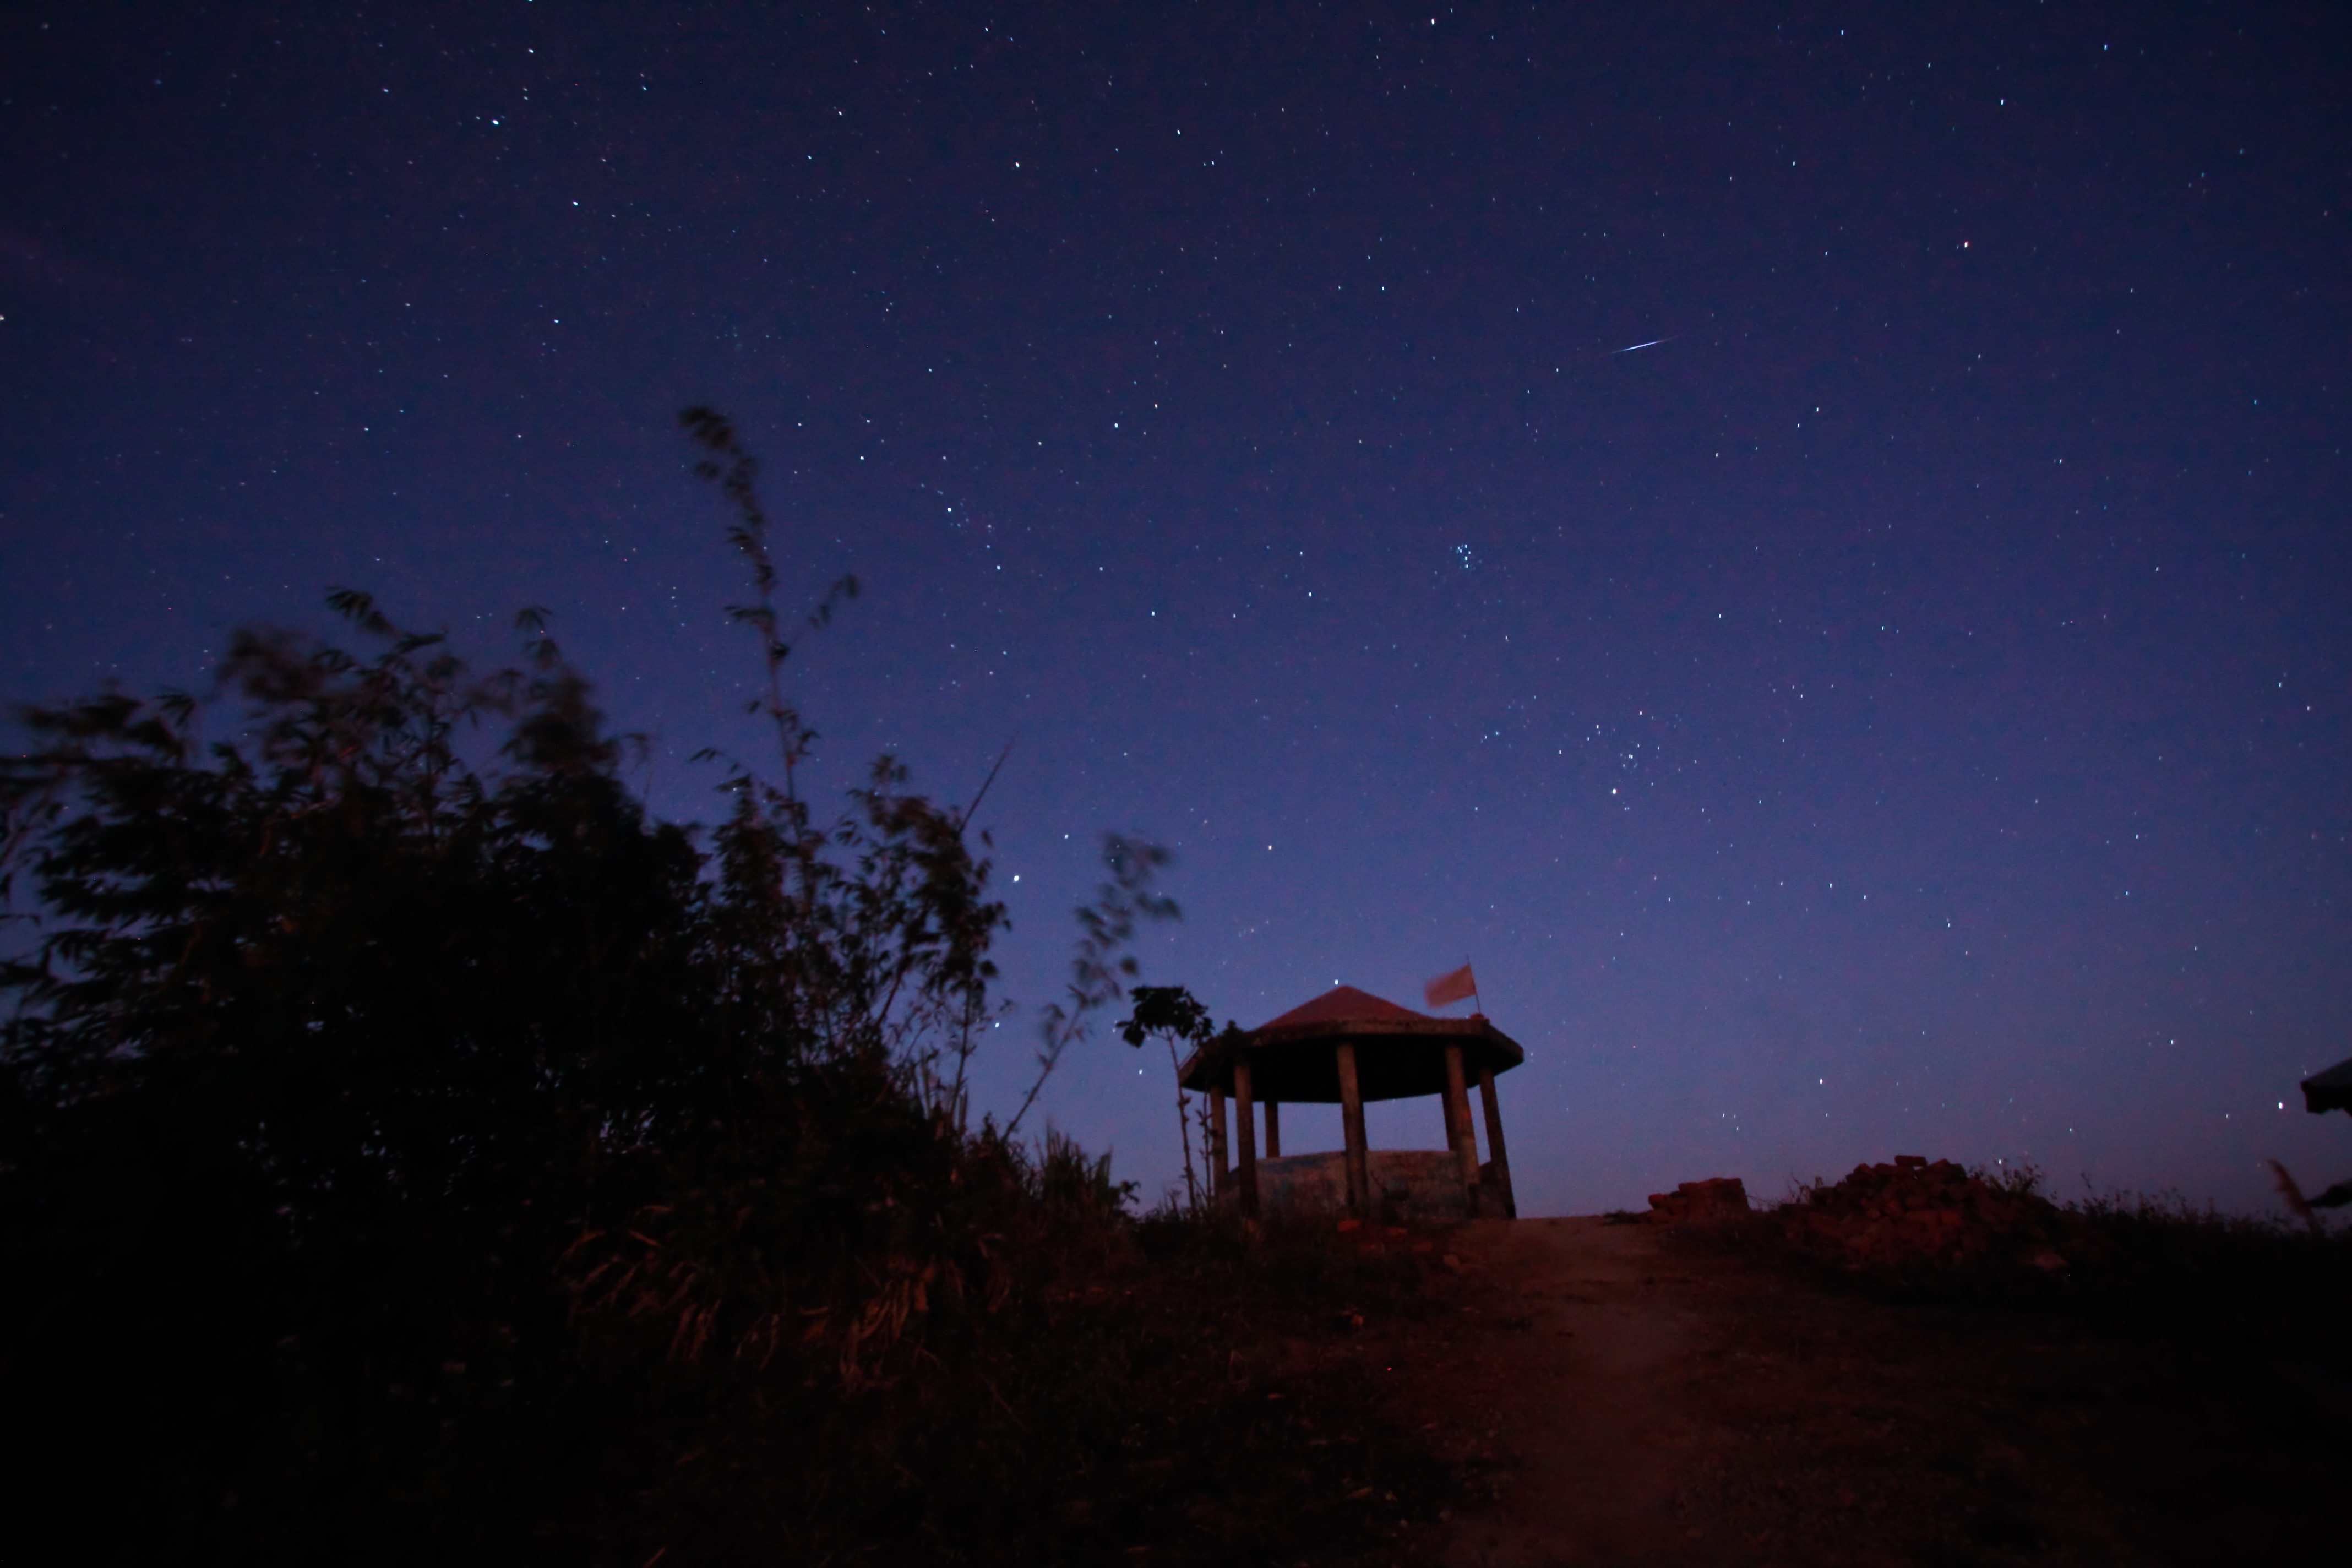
1901	707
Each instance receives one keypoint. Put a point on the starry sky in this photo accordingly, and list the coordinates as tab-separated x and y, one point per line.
1900	707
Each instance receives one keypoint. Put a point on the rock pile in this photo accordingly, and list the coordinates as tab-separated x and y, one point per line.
1913	1215
1716	1199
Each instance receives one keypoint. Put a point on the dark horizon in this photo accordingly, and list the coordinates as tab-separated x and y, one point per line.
1898	709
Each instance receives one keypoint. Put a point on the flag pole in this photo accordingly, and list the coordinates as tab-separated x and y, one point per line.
1476	1005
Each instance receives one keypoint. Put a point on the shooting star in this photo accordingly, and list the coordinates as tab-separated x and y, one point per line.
1653	342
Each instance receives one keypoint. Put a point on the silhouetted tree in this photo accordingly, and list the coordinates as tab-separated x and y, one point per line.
1172	1014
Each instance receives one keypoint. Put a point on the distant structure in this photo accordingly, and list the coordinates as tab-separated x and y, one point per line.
1348	1047
2322	1092
2329	1090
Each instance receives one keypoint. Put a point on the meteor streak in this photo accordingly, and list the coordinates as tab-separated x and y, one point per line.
1653	342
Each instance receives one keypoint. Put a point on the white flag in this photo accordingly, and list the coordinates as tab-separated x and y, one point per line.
1455	987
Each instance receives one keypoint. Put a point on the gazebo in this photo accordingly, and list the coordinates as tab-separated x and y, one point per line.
1349	1046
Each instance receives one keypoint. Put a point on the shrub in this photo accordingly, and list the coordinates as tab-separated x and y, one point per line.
412	1148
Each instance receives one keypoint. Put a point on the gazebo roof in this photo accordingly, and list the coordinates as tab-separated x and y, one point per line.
1399	1054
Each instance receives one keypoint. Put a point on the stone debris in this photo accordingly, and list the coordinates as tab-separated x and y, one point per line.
1912	1215
1718	1198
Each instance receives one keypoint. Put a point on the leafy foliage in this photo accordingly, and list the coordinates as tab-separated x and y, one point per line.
409	1146
1173	1014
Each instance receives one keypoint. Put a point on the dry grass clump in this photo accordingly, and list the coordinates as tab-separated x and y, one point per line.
1913	1217
2180	1392
1156	1391
1919	1226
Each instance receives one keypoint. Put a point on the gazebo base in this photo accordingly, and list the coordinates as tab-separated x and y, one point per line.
1409	1186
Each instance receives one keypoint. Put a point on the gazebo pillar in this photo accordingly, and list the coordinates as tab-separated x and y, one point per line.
1494	1141
1274	1129
1220	1177
1245	1123
1352	1121
1458	1135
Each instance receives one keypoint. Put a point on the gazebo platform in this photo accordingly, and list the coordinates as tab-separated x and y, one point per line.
1348	1047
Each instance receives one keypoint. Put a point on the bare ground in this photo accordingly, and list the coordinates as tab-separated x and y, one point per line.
1630	1394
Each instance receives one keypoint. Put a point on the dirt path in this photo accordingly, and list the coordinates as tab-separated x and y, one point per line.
1633	1394
1560	1390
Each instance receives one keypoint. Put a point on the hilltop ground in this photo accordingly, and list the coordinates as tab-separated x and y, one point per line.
1631	1394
